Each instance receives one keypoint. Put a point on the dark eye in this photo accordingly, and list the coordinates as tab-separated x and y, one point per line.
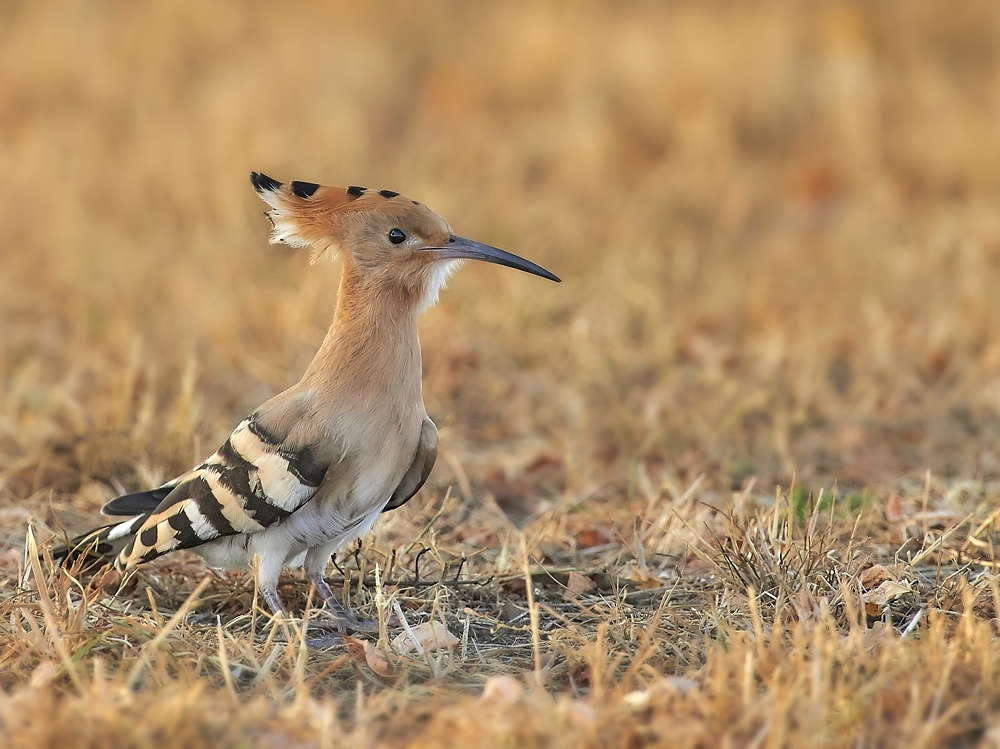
396	236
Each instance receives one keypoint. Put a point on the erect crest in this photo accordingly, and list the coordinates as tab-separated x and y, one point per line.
306	214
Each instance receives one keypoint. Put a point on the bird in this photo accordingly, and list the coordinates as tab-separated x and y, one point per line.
311	469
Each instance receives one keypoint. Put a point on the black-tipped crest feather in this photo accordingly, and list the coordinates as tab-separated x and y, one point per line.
303	189
262	182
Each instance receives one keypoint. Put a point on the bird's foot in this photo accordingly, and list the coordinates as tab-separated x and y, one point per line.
342	619
347	622
329	631
324	640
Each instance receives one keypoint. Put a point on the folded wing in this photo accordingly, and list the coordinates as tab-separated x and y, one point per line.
254	480
419	469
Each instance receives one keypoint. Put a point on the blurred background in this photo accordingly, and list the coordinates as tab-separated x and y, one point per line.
776	223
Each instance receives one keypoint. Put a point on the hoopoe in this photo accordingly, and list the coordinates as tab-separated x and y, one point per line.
312	468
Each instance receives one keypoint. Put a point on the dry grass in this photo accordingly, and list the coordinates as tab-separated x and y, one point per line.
750	447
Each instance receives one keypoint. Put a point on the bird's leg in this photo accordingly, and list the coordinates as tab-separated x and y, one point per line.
325	640
316	561
270	596
267	570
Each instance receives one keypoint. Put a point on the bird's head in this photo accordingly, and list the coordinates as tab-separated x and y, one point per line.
388	237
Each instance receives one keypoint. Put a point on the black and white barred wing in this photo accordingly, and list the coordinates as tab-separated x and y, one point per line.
253	481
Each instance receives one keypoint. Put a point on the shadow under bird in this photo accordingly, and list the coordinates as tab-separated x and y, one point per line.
311	469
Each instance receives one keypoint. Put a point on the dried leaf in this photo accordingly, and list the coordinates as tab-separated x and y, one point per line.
365	652
874	576
578	585
887	591
376	660
355	648
108	581
431	636
593	535
641	575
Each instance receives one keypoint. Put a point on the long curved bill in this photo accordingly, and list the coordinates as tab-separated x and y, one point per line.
460	248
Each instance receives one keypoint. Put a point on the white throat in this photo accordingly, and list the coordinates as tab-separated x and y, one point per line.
438	279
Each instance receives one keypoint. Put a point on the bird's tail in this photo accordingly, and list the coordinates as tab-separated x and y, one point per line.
98	547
